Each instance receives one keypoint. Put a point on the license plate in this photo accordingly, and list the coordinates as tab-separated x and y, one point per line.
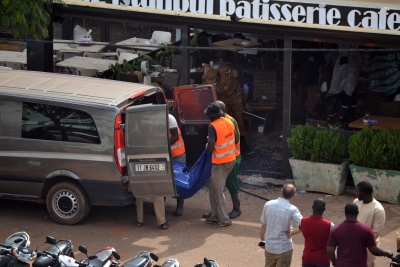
149	167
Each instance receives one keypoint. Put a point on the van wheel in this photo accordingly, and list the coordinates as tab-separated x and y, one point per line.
67	203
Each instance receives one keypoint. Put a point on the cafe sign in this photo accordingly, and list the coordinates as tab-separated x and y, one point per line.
383	18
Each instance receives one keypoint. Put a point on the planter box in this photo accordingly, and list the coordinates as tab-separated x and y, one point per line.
386	183
319	177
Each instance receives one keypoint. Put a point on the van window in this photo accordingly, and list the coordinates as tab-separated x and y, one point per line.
47	122
10	114
149	129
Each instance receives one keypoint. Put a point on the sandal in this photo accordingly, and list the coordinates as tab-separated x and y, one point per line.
222	225
138	224
212	220
164	226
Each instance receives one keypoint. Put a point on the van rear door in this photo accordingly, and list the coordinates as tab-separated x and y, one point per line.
191	101
148	153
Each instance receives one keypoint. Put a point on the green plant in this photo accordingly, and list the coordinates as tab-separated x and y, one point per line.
27	17
193	41
329	147
164	54
301	141
126	67
375	148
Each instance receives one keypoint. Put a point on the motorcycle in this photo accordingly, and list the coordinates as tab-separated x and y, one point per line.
61	255
60	248
12	243
207	263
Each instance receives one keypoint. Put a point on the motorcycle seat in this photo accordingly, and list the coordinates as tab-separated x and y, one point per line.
138	262
102	257
64	246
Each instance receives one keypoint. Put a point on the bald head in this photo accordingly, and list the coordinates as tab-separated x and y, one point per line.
221	105
288	191
318	207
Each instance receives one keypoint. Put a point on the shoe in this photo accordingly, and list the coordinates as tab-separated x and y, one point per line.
236	207
222	225
212	221
207	215
138	224
164	226
179	207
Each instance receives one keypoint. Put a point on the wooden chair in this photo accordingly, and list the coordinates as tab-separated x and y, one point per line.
87	72
13	65
170	80
391	109
93	55
374	99
264	84
161	36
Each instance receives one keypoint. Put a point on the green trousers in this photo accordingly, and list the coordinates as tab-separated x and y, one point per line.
232	180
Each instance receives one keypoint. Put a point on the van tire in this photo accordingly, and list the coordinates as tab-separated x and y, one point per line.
67	203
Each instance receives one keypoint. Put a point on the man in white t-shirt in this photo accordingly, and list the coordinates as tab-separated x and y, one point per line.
178	153
371	213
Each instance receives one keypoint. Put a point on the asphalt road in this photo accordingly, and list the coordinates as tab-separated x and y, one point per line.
189	238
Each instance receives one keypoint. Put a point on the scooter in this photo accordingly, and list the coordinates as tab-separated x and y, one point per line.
207	263
13	242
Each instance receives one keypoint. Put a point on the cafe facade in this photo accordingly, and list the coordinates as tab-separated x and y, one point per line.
368	23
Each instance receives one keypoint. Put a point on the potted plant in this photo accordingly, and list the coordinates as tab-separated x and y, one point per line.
318	162
376	157
128	71
164	56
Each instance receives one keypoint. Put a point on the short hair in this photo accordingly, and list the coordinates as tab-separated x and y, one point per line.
351	208
319	205
288	191
365	187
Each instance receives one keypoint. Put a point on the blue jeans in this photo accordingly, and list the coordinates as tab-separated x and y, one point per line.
315	265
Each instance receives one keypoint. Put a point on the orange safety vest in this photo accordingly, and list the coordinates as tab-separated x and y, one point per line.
224	150
237	132
177	148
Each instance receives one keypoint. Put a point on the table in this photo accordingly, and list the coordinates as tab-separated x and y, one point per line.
141	44
63	45
87	63
16	57
383	123
232	43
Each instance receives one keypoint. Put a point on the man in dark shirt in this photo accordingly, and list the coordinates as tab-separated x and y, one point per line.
309	64
352	238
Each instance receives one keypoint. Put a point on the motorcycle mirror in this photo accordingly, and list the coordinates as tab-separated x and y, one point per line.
207	263
83	249
116	255
92	257
51	240
153	256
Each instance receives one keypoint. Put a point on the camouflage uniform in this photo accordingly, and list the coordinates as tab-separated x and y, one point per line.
229	90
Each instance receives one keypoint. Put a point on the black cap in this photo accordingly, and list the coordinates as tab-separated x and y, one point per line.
351	208
213	110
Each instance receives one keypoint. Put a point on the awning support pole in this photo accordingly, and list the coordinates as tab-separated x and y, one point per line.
287	85
185	65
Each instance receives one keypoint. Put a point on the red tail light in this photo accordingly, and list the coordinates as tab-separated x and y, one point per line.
119	145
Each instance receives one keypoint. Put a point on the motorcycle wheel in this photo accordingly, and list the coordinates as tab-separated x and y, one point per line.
67	203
